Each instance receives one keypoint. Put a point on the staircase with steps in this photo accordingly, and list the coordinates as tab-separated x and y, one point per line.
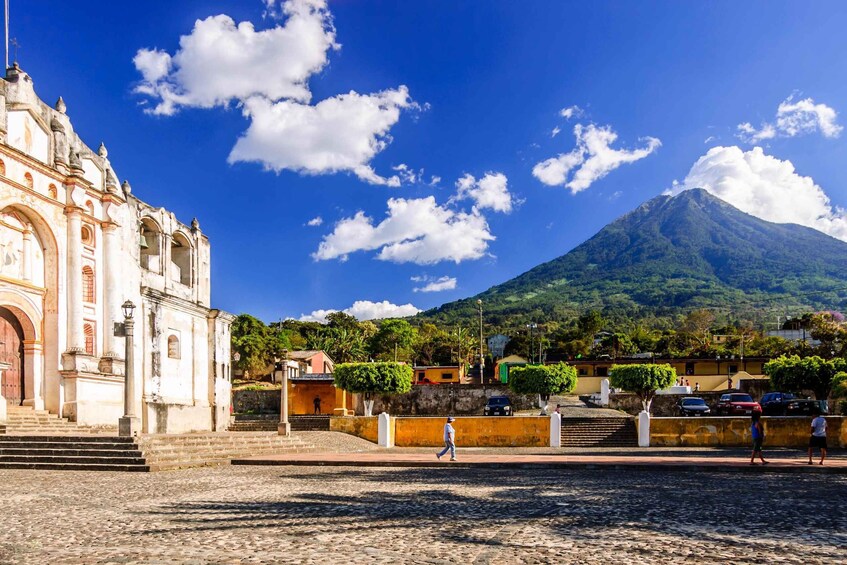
319	423
25	420
165	452
70	453
254	423
599	432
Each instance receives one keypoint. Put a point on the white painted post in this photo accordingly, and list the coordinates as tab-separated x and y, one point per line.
555	430
604	392
644	429
3	415
384	431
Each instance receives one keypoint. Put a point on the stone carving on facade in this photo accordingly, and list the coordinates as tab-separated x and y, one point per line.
74	161
156	354
60	142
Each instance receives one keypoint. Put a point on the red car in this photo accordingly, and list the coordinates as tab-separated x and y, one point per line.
736	404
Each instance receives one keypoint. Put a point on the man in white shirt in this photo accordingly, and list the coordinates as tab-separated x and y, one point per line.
818	438
449	440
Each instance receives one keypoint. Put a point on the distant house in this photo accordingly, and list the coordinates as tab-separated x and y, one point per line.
438	374
802	334
310	379
312	361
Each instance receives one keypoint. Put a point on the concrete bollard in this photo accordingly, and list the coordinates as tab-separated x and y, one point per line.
384	431
555	430
643	429
2	406
604	392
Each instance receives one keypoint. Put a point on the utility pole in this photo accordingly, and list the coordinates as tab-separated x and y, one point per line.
481	356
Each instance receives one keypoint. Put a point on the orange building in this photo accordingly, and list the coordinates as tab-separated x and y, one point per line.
438	374
311	388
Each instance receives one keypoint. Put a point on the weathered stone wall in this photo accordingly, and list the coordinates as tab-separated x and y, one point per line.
780	431
446	399
663	404
256	401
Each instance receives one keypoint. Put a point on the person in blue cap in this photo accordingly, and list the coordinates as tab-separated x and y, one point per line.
449	440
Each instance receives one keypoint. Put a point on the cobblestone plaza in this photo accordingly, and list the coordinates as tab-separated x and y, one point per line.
323	514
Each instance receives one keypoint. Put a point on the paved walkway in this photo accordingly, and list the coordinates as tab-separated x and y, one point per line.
786	461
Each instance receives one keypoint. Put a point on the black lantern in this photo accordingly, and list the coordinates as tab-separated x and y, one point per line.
128	308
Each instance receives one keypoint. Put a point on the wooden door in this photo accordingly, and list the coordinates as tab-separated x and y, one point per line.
11	352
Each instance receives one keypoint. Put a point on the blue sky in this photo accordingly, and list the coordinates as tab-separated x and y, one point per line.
485	85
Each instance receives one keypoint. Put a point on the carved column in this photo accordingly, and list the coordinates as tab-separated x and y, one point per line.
76	341
27	254
111	275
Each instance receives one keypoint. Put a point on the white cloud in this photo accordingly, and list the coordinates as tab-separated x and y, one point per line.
592	158
366	310
709	139
416	231
266	72
556	131
342	133
315	222
766	187
434	285
792	119
571	112
220	61
491	191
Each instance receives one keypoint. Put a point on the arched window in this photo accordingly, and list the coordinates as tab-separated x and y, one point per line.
87	236
52	191
28	181
173	347
181	259
149	242
2	168
88	330
88	288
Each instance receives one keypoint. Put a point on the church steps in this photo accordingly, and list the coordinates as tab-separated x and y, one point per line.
599	432
63	466
70	452
71	459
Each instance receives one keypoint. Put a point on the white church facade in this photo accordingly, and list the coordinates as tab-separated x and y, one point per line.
75	244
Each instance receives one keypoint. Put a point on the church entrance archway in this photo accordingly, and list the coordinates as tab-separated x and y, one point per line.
12	383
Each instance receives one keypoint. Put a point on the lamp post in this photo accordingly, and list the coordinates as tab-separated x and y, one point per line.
531	327
481	356
284	427
129	424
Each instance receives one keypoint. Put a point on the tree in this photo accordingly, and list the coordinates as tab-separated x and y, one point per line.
543	380
373	378
795	373
697	326
642	380
393	340
255	343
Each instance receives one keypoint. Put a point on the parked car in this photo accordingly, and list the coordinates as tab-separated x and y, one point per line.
693	406
787	404
498	406
737	404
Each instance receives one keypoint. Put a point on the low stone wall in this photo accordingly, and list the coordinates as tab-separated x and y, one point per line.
446	399
359	426
501	431
256	401
664	405
780	431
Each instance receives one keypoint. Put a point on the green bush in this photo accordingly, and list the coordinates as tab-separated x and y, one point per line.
794	374
642	380
542	379
839	385
373	378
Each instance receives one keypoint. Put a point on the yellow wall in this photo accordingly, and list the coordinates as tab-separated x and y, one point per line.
588	385
301	397
359	426
475	431
434	374
735	432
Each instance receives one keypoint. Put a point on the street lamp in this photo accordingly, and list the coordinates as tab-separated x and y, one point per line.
129	424
481	356
284	427
531	326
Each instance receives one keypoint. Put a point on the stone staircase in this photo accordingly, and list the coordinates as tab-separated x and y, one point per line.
599	432
25	420
310	423
254	423
165	452
70	453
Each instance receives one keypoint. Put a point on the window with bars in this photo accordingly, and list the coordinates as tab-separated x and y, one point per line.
88	330
88	288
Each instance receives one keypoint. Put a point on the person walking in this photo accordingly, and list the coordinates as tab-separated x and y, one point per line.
757	430
818	437
449	440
